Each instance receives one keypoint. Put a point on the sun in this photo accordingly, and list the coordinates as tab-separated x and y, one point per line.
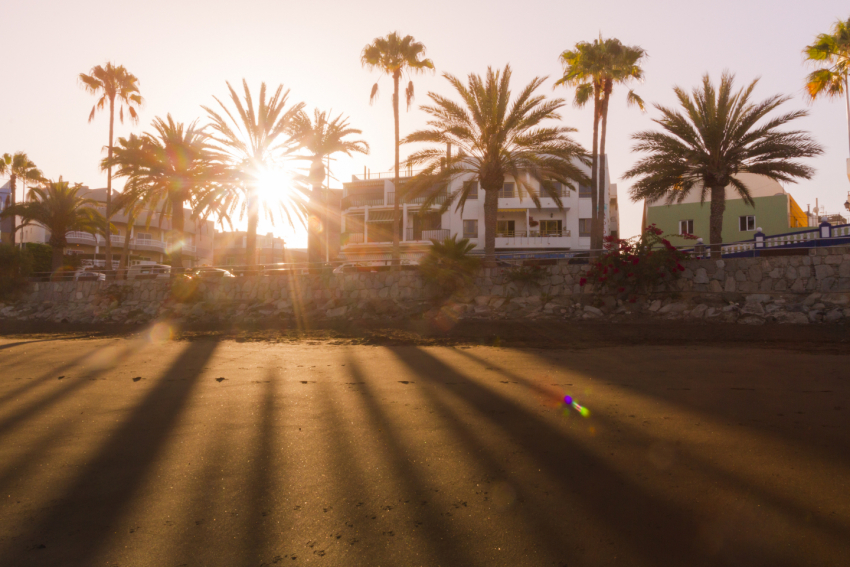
274	184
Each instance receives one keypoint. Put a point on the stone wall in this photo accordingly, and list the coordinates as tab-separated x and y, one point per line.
785	289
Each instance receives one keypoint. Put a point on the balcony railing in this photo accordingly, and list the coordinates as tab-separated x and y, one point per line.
413	235
149	244
532	234
76	237
440	199
374	200
352	238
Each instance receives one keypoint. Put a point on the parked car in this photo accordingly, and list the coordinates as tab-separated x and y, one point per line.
89	276
149	272
210	273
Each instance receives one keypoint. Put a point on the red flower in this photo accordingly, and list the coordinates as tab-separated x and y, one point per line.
621	289
582	281
629	275
616	270
680	267
635	261
632	299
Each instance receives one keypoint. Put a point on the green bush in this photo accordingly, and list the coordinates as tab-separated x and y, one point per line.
448	264
42	256
15	267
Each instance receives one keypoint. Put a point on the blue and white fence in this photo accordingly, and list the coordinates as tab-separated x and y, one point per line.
823	235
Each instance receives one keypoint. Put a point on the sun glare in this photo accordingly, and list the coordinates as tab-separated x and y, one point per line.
274	184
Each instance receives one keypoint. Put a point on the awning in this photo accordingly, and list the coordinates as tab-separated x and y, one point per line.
512	210
381	216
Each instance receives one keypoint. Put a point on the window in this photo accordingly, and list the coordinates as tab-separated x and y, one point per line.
143	236
746	223
506	191
584	191
229	261
505	228
473	191
551	227
584	227
470	228
686	226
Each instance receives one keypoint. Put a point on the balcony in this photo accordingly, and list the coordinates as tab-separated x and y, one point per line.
533	239
352	238
378	200
147	244
84	238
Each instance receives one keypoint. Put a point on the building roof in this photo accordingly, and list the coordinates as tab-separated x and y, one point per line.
758	185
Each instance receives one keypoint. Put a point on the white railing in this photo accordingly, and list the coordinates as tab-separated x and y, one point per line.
438	234
77	235
116	240
150	243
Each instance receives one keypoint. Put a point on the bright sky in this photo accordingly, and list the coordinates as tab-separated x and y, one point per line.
184	51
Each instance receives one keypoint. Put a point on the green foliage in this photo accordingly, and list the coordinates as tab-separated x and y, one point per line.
449	265
830	53
15	267
41	255
636	265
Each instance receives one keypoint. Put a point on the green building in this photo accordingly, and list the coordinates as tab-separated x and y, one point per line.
774	211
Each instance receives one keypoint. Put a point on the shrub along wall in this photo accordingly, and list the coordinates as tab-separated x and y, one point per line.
783	289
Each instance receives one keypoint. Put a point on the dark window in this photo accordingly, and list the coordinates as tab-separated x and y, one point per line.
746	223
584	227
505	228
473	191
686	226
507	190
584	191
470	228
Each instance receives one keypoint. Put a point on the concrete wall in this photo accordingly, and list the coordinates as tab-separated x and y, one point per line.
800	289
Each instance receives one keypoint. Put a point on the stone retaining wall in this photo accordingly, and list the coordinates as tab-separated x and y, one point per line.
784	289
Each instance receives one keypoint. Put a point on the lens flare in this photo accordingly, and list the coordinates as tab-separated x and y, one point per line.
160	333
570	402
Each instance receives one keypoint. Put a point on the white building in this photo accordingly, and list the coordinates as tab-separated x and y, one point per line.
522	227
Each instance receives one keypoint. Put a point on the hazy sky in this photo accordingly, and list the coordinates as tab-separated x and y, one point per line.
183	51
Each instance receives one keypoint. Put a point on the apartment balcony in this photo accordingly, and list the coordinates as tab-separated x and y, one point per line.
148	245
378	200
84	238
533	239
439	235
411	235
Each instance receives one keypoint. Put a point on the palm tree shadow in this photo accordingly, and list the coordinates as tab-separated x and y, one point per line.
79	525
613	498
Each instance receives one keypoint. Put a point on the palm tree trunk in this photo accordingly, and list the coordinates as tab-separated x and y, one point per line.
603	194
847	105
491	212
13	183
253	222
314	222
58	256
396	183
125	253
715	222
177	225
109	189
594	177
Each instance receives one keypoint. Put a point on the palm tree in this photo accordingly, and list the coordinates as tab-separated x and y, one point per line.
132	201
831	52
321	138
496	139
719	136
170	168
255	140
394	56
60	209
112	83
18	166
593	69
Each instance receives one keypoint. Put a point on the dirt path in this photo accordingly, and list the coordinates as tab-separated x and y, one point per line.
281	449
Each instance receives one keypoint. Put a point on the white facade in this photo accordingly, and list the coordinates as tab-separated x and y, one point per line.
522	227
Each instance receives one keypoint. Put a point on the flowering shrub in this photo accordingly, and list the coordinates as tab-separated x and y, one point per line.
636	265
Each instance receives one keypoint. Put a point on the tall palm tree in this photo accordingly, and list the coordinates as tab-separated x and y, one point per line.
496	138
18	166
169	167
831	53
394	56
133	201
322	137
112	84
255	140
593	69
59	208
720	134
